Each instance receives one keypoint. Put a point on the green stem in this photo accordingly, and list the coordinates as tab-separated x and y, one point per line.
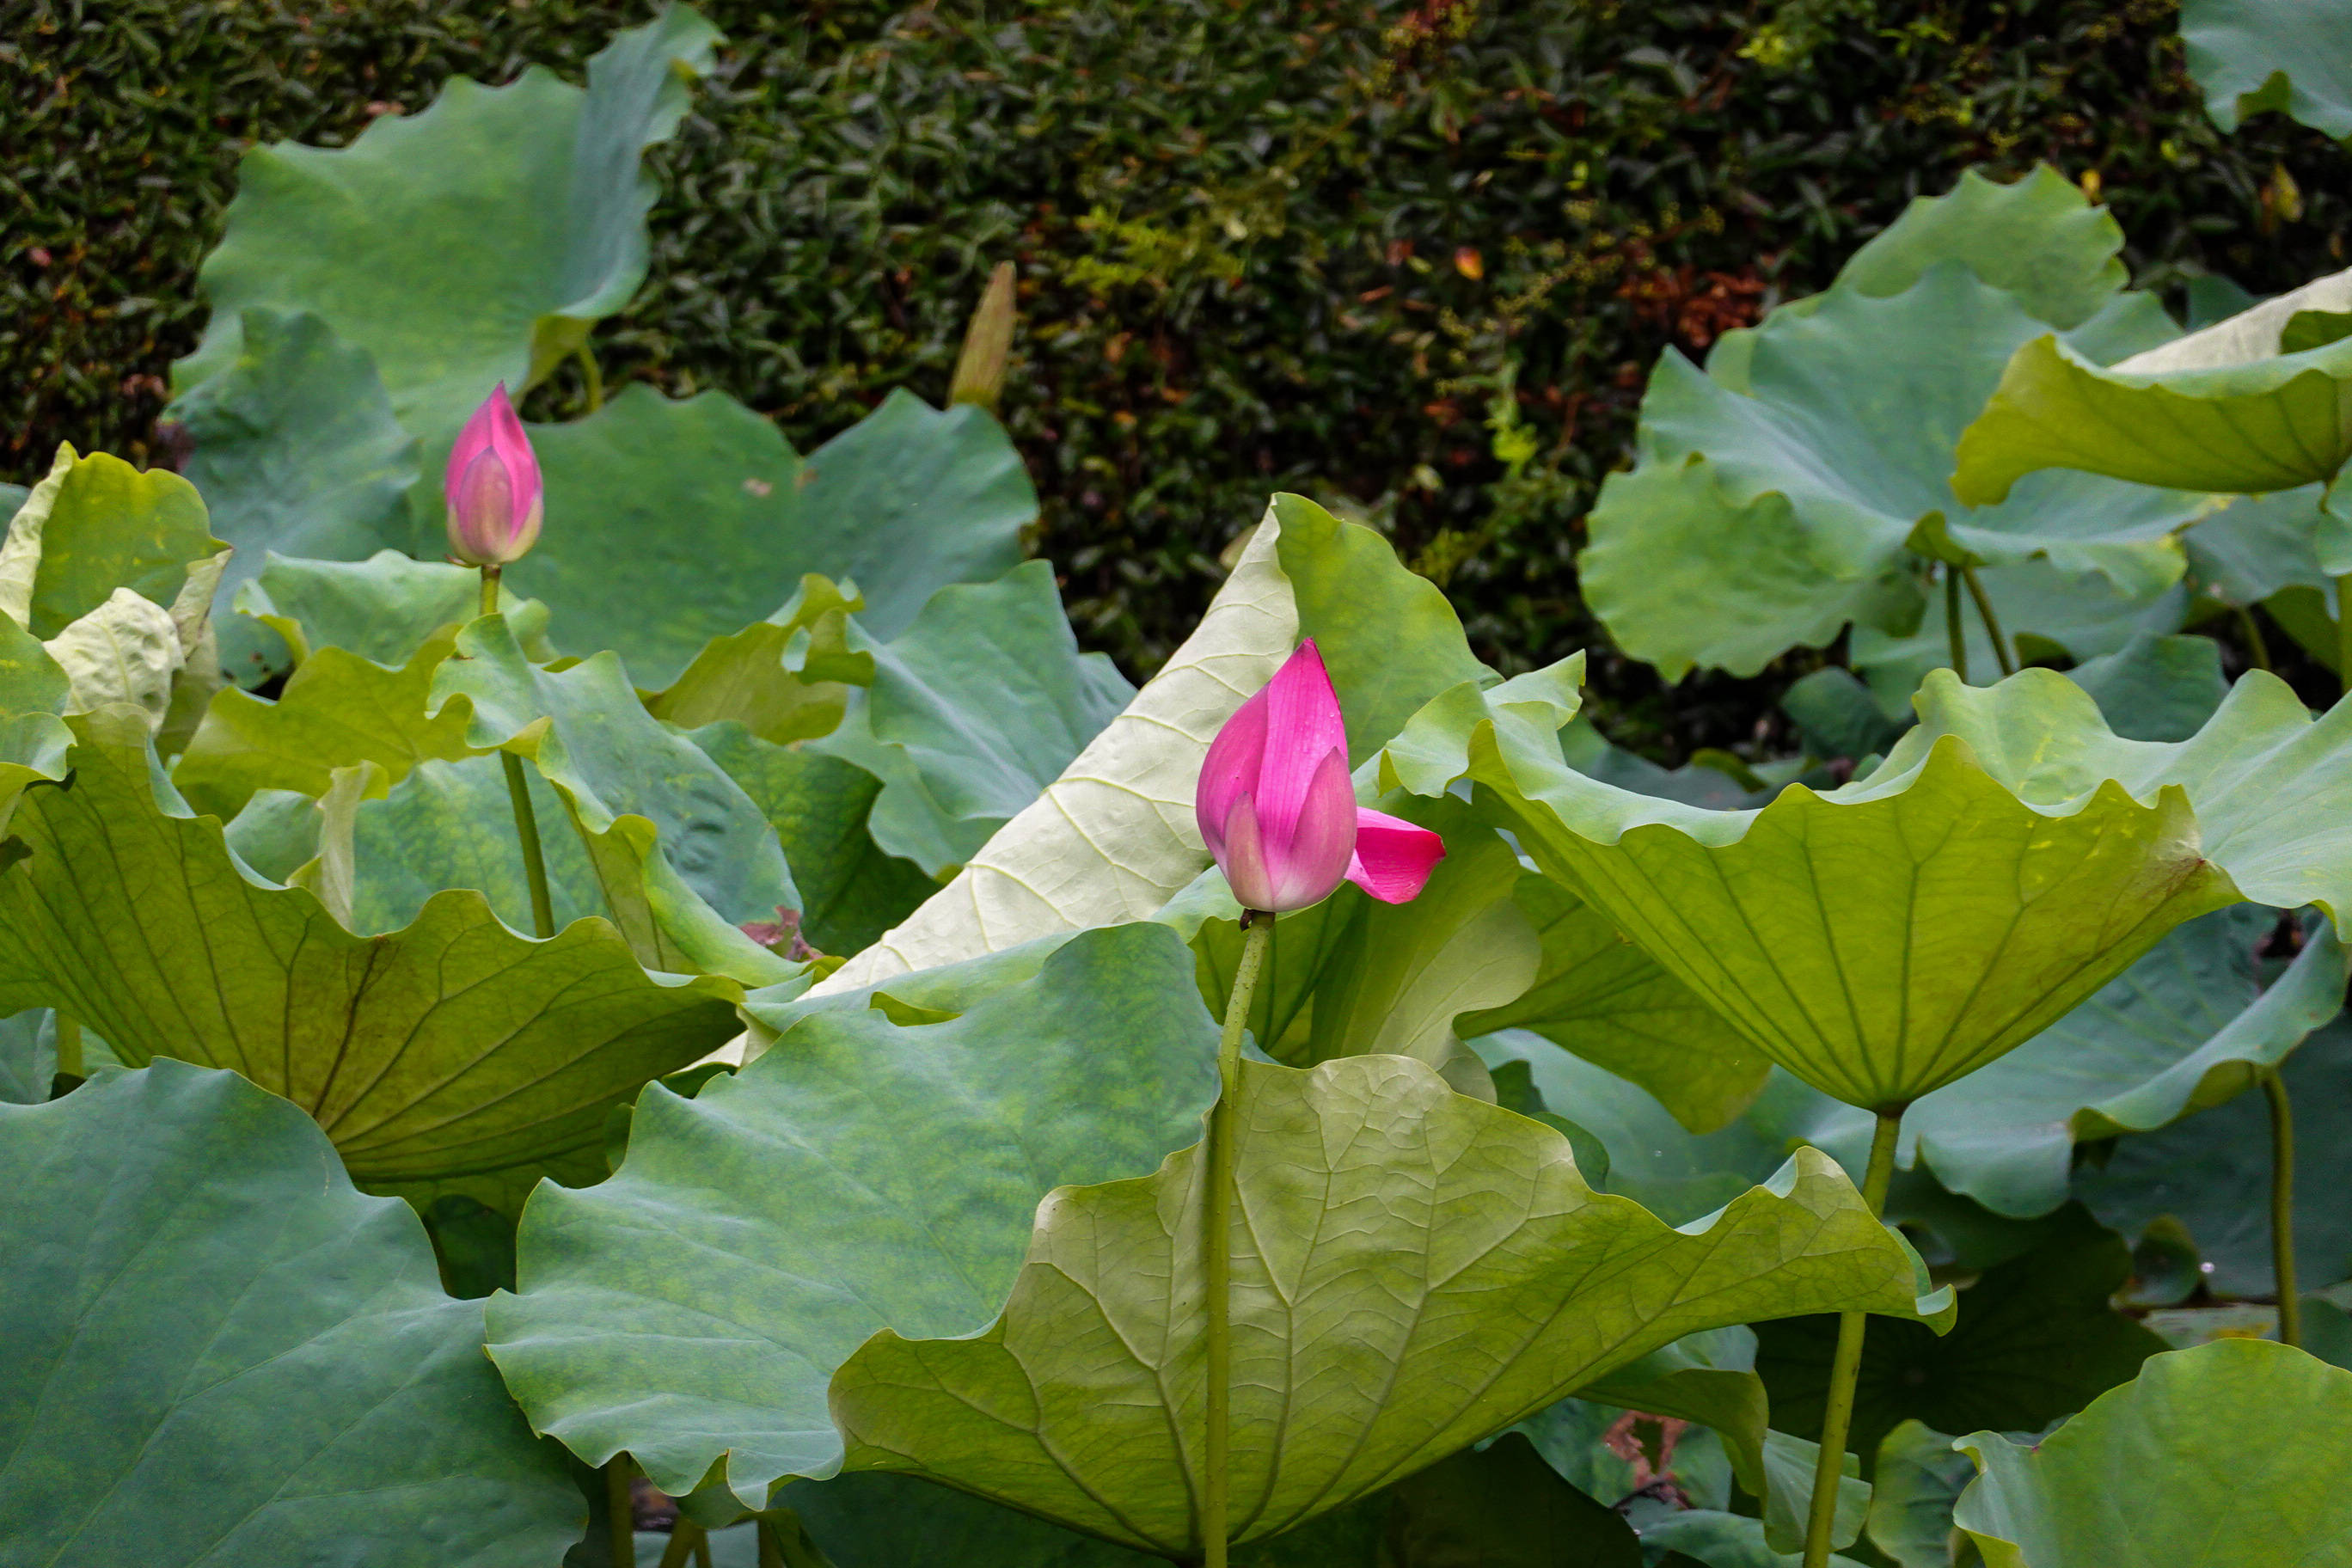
2343	634
685	1535
68	1047
1991	622
1838	1416
771	1551
620	1513
2290	1306
526	816
702	1551
1216	1246
595	377
2257	648
1959	638
783	1543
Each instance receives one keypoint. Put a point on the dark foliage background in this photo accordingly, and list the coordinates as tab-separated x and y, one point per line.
1416	259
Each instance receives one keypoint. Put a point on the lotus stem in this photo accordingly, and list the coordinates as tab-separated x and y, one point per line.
620	1513
1837	1415
1958	638
685	1538
2343	634
2000	653
785	1544
526	818
68	1050
595	378
2257	649
1216	1249
2290	1306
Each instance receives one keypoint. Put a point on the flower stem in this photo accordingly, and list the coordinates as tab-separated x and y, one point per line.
526	818
595	378
2257	648
2290	1307
1991	622
685	1535
620	1513
1838	1415
2342	634
1957	638
68	1047
1216	1249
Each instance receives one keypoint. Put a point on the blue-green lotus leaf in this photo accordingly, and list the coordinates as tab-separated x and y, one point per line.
2248	57
219	1351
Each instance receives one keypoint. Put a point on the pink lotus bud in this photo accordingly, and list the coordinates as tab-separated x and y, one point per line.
1278	812
492	487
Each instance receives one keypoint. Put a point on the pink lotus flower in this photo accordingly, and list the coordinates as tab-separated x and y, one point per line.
1279	813
492	487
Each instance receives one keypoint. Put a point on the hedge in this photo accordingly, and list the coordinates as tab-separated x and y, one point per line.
1416	260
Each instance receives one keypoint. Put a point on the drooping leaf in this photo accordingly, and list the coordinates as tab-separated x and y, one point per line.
682	854
2224	410
383	608
2035	1339
2247	58
2209	1458
2187	1027
296	452
474	243
1772	512
2037	238
851	890
972	713
1918	1477
857	1175
1387	636
451	825
450	1055
96	525
712	521
28	1056
1113	838
785	678
2210	1173
219	1351
337	710
1473	1287
1604	999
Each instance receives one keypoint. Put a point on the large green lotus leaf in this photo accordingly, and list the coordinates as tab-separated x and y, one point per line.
2035	1339
33	692
2212	1457
683	854
2247	56
2270	785
1606	1000
451	825
973	711
1847	415
474	243
2187	1027
785	678
851	890
1114	838
383	608
857	1175
2038	238
2210	1173
2225	410
717	520
1878	947
337	710
1411	1268
28	1056
450	1055
95	525
219	1351
2081	613
296	451
2155	688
